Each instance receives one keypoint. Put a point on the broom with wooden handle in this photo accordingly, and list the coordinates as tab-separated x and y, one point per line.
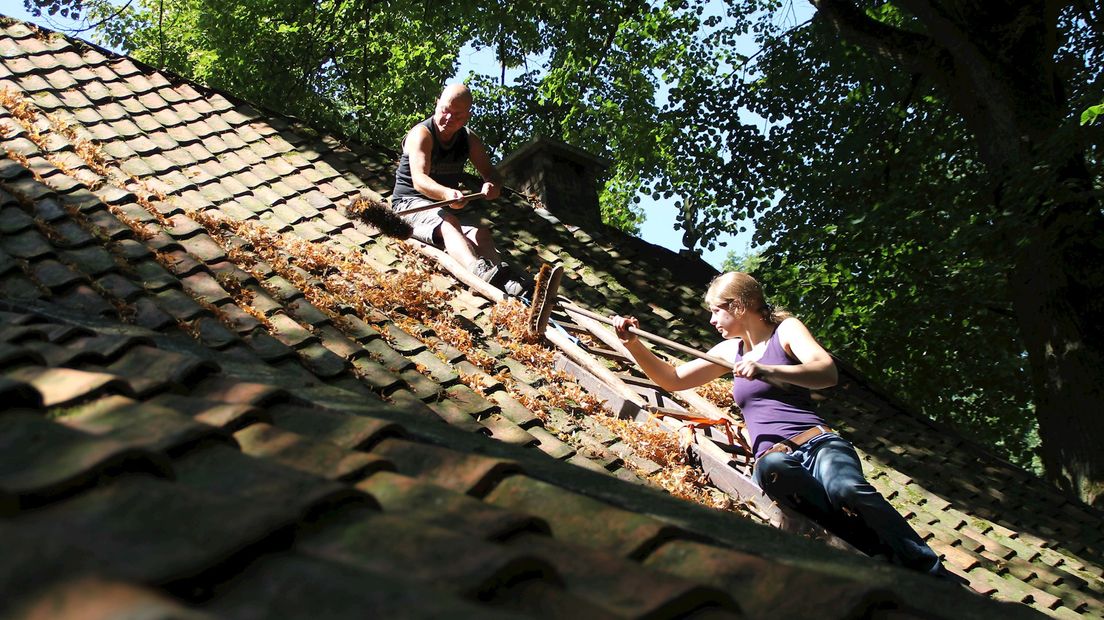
543	309
391	222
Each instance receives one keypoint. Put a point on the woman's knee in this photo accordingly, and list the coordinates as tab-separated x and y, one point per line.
771	469
849	495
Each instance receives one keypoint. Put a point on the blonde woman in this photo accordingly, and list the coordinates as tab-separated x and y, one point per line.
801	463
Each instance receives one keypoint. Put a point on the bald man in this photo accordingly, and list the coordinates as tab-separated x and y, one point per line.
434	153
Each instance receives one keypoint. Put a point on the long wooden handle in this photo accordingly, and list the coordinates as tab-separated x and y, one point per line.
438	204
570	307
649	336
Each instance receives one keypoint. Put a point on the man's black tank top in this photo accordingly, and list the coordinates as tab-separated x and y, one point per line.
446	164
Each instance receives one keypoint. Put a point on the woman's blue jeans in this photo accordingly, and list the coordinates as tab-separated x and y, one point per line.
823	480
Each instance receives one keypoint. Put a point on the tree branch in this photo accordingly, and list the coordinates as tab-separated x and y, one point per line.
902	46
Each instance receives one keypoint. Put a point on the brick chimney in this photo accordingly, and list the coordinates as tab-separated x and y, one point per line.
564	177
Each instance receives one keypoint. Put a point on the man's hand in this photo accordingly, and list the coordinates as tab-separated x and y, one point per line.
490	190
457	195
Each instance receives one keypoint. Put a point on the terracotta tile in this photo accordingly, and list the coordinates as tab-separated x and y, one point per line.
213	333
142	425
227	416
298	586
591	462
437	506
166	367
13	220
625	588
55	275
267	347
29	244
320	458
178	305
583	520
376	375
94	598
306	313
550	444
288	331
507	432
284	491
148	531
472	474
320	360
83	351
227	390
439	371
376	347
461	565
45	460
147	314
94	261
108	225
201	285
352	432
513	411
62	387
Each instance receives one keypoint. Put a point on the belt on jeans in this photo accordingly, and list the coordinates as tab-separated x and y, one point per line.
795	442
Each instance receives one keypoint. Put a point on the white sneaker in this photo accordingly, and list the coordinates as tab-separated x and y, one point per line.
484	269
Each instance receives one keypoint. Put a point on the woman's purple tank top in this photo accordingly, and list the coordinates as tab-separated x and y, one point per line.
773	414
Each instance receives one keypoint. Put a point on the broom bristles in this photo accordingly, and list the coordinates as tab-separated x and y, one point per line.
381	217
545	287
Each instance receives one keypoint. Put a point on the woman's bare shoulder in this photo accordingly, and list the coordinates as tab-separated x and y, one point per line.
726	349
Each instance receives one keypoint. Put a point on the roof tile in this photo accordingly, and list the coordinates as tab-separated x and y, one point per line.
148	531
581	519
464	473
320	458
428	503
142	425
61	387
227	416
320	360
467	567
272	588
626	588
285	492
44	459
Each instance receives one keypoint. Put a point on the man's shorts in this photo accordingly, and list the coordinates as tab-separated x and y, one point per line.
427	222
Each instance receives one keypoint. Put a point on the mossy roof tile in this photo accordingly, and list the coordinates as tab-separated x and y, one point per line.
61	387
145	312
504	430
44	459
178	304
28	244
464	566
320	360
272	588
136	541
625	587
55	275
141	425
472	474
583	520
320	458
221	415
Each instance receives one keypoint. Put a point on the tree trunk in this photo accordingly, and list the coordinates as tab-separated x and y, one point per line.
1058	295
995	63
